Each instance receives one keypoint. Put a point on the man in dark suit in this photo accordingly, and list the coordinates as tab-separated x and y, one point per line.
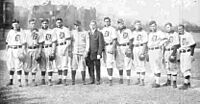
95	51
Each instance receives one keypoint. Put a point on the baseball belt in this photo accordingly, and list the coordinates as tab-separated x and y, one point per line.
137	45
108	44
154	48
15	46
183	50
63	43
169	49
33	47
125	44
47	46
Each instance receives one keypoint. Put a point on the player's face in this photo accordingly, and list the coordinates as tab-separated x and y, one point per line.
32	24
93	25
59	23
180	30
45	24
15	26
168	28
138	26
120	25
153	27
107	22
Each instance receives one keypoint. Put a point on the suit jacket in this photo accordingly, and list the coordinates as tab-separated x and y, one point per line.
96	44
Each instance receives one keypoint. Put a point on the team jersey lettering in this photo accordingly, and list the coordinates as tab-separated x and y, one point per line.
62	35
125	35
171	39
106	34
154	38
17	38
139	37
48	37
34	36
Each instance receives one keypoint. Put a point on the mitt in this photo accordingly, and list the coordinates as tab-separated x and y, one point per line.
52	57
172	58
22	57
128	53
142	57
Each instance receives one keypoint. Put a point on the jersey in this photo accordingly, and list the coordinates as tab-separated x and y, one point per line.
32	37
123	37
139	37
80	41
186	40
155	39
109	34
62	34
47	36
16	37
173	39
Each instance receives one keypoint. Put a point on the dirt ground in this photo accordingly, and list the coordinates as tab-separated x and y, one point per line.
95	94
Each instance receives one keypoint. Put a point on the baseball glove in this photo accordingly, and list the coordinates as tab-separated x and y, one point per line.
172	58
52	57
22	57
128	53
142	57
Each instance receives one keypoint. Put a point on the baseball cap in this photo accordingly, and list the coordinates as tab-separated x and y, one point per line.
15	21
77	22
120	21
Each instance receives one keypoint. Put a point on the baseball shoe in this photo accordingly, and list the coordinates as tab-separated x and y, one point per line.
59	82
137	83
155	85
98	83
92	82
20	85
128	82
120	81
84	83
43	82
50	84
73	82
110	83
174	85
9	84
34	83
184	87
142	83
168	83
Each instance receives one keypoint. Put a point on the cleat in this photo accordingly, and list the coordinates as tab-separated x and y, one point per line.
98	83
9	84
138	82
92	82
168	83
59	82
184	87
155	85
120	81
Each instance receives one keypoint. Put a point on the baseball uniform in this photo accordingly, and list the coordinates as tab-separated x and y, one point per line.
140	39
123	37
15	41
47	38
155	41
186	40
32	40
109	34
173	39
63	36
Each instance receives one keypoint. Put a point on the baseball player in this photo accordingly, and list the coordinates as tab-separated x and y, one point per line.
48	41
122	61
16	51
110	38
80	42
155	43
32	40
139	39
170	51
187	45
63	40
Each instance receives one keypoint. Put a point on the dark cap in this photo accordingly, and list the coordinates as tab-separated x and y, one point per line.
120	21
15	21
77	22
152	22
44	20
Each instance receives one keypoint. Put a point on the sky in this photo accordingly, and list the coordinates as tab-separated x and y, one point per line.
160	10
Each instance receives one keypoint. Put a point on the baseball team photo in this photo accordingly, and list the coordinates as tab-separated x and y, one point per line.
99	52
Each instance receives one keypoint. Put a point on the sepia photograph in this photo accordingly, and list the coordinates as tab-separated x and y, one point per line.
99	51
